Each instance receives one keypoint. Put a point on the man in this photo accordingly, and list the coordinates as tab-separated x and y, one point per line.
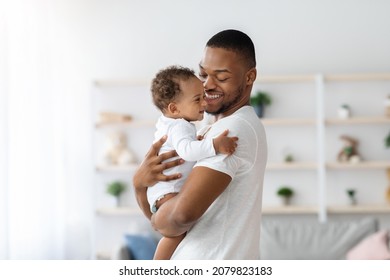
219	205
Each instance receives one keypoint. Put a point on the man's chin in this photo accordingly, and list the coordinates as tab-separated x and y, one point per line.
215	111
212	110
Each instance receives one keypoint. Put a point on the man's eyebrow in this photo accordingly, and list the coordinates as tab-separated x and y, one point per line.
216	71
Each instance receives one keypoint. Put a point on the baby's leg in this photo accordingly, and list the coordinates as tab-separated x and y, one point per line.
167	246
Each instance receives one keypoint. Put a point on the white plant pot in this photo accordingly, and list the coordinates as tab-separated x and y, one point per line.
343	113
387	107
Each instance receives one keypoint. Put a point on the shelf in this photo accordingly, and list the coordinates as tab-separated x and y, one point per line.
288	121
292	166
262	79
278	210
103	256
126	124
359	120
117	168
358	77
359	209
286	78
121	82
360	165
342	209
118	211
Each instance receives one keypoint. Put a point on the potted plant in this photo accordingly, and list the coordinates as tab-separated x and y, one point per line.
116	188
344	111
387	141
352	196
259	101
288	158
388	187
387	106
286	193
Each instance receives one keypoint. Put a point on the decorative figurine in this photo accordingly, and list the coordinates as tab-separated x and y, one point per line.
349	151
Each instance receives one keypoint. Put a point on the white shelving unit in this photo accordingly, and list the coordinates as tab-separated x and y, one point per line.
126	124
369	125
319	166
118	211
130	97
307	127
292	166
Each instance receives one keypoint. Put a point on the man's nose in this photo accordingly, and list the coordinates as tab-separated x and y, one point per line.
208	83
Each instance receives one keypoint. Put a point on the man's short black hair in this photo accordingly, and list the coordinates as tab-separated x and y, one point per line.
236	41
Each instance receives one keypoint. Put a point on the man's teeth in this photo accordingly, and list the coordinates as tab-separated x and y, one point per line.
212	96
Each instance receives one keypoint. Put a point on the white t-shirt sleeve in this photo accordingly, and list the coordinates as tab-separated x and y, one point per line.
184	141
240	160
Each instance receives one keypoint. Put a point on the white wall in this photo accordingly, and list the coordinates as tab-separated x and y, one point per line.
137	37
3	143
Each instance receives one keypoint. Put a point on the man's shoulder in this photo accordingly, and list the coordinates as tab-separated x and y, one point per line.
243	118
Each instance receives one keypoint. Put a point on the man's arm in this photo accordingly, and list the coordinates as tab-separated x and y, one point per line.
151	171
201	189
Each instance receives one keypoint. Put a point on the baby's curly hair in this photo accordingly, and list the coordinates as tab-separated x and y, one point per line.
165	85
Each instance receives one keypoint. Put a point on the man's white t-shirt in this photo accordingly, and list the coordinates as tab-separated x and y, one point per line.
230	228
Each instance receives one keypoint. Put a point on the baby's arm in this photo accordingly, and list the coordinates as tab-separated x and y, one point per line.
190	149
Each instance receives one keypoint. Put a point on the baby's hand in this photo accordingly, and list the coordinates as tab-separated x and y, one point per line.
224	144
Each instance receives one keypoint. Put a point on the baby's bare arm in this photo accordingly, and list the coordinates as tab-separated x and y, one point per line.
224	144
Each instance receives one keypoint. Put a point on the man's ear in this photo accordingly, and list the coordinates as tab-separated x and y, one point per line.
251	76
172	108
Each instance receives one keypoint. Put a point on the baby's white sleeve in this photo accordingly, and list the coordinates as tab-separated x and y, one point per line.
183	139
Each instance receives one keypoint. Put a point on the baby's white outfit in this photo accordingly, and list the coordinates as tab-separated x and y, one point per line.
182	138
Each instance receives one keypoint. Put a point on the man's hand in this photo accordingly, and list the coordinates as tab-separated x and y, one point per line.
151	171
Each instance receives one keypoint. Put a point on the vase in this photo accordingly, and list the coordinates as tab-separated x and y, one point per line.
352	201
388	187
344	113
286	200
387	107
388	194
259	109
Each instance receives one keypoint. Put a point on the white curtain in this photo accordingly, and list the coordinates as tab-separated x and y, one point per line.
45	157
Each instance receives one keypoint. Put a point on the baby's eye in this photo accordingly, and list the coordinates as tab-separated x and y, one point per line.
202	76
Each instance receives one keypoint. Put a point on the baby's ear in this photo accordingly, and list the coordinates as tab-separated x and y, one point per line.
172	108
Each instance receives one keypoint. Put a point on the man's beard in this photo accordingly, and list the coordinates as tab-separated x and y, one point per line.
225	107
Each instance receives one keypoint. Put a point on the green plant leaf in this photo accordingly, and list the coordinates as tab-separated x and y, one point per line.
116	188
387	141
285	191
261	98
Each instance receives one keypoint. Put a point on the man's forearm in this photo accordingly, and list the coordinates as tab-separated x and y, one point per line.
169	222
140	194
180	213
